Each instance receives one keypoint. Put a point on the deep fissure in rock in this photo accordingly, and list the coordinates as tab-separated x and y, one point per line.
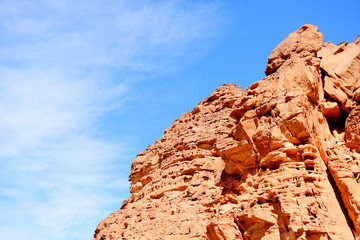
338	123
340	201
323	75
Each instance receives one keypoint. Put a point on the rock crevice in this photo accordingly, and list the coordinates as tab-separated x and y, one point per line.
280	160
341	203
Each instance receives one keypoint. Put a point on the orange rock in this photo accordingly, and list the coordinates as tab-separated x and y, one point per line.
305	41
352	130
330	109
280	160
342	67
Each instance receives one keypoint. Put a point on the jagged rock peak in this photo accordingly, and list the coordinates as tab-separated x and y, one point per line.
280	160
304	42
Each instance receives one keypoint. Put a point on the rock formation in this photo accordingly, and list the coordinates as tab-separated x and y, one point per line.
280	160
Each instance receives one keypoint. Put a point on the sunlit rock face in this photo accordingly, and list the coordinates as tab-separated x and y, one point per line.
279	160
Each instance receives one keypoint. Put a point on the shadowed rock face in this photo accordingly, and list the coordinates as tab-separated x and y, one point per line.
279	160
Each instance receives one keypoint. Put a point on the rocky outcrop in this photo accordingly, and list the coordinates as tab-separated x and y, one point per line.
279	160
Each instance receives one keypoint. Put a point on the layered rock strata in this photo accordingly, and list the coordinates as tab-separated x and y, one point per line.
279	160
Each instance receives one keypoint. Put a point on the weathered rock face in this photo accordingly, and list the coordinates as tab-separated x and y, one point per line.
279	160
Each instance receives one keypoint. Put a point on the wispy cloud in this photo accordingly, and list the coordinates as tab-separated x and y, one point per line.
131	37
64	65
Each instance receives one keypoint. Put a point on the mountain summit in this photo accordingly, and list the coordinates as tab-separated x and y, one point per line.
280	160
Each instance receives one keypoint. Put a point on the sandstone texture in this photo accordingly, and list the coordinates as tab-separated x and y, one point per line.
280	160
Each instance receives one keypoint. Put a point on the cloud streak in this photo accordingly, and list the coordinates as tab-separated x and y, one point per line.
131	37
64	65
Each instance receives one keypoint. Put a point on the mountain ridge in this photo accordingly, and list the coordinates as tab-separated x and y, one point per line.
279	160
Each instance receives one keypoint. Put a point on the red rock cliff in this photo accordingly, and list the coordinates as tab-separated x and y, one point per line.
279	160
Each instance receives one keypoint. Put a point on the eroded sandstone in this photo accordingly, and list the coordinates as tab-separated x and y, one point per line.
279	160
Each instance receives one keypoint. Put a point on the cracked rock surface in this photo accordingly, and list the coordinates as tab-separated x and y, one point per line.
280	160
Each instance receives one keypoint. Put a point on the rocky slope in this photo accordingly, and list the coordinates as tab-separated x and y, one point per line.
279	160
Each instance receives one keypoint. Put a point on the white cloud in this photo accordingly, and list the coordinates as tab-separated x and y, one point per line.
39	105
141	36
63	66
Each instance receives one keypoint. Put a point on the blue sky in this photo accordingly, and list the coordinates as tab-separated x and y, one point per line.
86	85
